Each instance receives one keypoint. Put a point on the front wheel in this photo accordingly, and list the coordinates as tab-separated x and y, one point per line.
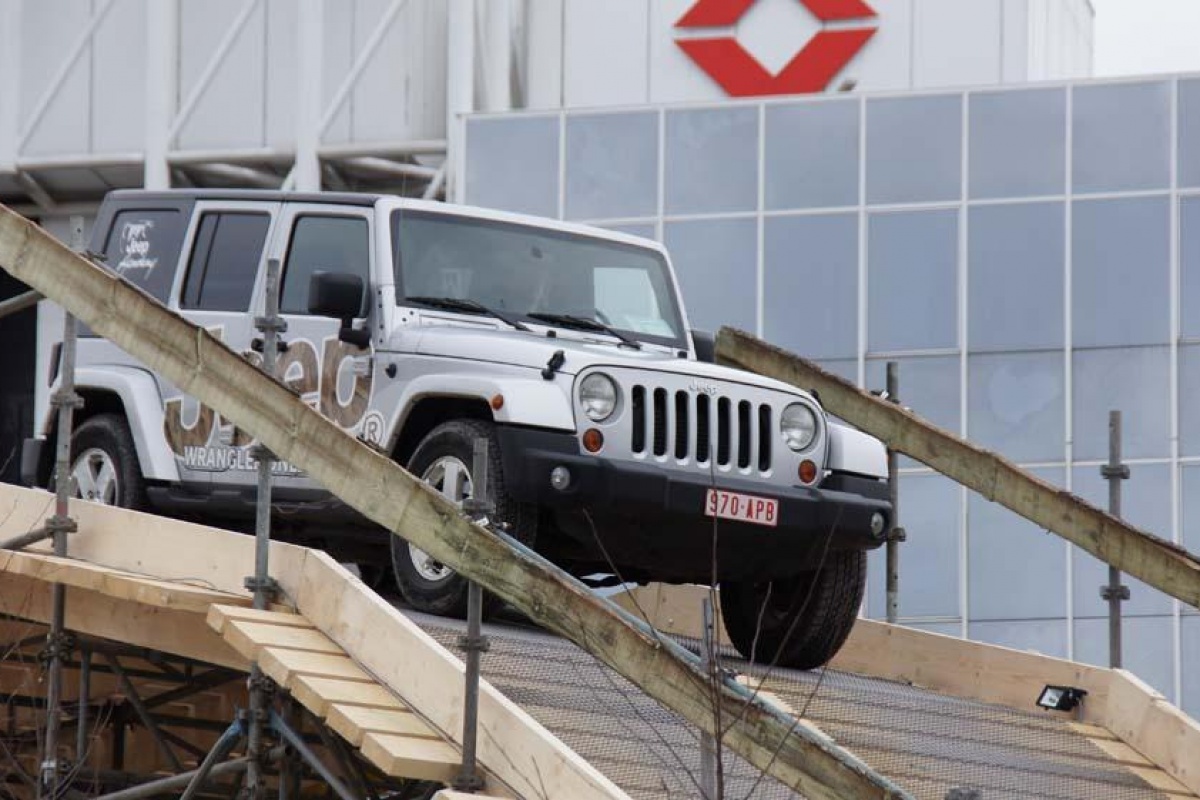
444	459
798	622
104	463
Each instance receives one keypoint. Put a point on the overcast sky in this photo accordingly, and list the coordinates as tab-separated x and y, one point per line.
1146	36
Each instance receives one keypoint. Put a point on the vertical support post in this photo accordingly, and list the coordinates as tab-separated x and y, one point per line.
162	89
85	698
271	326
896	534
307	172
1114	592
479	507
708	743
460	88
59	525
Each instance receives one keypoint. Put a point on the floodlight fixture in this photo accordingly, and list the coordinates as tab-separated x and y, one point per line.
1061	698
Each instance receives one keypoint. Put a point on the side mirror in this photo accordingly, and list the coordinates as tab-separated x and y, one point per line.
706	346
339	295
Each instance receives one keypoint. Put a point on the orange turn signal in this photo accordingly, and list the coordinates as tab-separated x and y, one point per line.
497	402
807	471
593	440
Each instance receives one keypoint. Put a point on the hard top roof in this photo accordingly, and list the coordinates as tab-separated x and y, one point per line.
266	195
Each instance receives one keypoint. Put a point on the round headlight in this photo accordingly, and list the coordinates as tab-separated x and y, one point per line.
798	424
598	396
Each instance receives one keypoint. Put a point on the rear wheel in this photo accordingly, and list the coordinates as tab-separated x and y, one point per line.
798	622
444	459
104	463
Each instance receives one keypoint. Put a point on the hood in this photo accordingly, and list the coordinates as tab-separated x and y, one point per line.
533	350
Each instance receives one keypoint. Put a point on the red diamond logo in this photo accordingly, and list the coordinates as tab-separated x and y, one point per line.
740	74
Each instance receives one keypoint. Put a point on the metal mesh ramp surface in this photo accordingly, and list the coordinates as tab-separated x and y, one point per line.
926	742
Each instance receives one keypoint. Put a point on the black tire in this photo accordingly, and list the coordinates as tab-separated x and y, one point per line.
804	620
107	436
447	596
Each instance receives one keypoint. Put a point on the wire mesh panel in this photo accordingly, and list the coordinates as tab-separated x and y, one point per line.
926	742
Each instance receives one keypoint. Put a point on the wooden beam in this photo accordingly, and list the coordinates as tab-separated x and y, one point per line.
368	481
319	694
1161	564
1154	728
407	757
170	630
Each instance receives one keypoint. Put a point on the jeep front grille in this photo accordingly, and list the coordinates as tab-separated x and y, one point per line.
686	424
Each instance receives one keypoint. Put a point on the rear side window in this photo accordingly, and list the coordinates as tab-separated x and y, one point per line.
225	257
143	248
324	244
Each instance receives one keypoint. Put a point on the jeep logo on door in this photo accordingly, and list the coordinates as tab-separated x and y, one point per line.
811	70
328	382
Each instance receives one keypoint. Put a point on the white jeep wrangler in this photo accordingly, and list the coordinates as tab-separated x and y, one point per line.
616	447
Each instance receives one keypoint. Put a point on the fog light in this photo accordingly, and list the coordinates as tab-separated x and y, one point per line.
593	440
878	521
560	478
807	471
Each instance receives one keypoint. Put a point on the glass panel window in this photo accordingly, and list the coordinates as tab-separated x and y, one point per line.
512	164
1189	136
1189	490
224	264
1134	380
612	165
1189	267
912	290
1191	665
325	244
143	248
1016	404
1122	136
812	154
1015	276
914	149
712	160
1121	278
1146	648
1189	401
716	264
811	292
929	585
1018	146
1003	544
1048	637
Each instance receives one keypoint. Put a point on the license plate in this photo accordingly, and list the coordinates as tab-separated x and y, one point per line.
742	507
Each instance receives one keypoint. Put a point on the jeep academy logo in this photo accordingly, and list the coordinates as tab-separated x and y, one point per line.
135	247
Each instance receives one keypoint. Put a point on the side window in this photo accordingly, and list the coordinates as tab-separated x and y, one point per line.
324	244
143	248
224	261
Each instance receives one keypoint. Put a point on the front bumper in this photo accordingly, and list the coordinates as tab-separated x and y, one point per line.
651	520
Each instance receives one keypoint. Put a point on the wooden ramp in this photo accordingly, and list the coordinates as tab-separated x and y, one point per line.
351	658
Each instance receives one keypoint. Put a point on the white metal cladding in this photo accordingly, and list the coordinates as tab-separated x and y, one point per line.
1038	270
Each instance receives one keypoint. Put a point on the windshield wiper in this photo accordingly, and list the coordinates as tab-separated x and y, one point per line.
585	324
468	307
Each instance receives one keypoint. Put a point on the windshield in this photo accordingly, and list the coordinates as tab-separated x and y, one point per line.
519	270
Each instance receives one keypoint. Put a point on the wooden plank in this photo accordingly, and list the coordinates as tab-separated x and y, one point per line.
170	630
139	589
248	637
1121	753
1092	731
1161	781
218	615
371	483
281	665
1158	730
1163	565
354	722
319	694
406	757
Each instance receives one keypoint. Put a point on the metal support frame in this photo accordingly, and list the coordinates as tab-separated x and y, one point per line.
135	702
709	752
474	644
59	526
1114	592
295	741
14	305
896	535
